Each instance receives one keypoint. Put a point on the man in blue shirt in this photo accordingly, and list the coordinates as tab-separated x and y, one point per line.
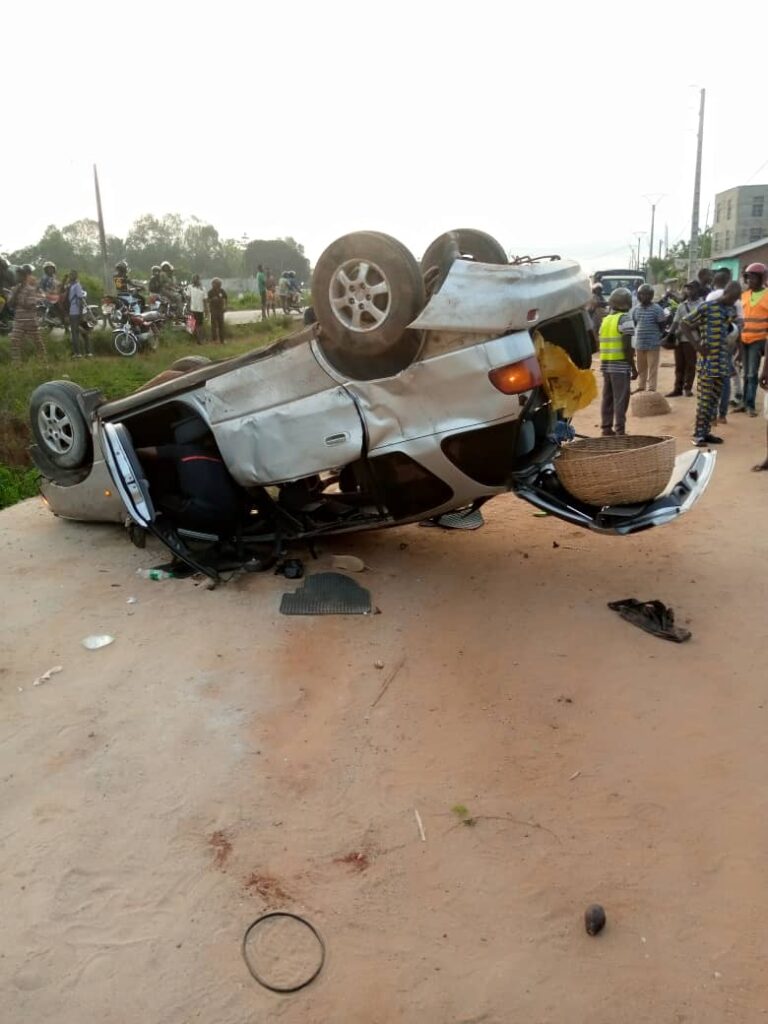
648	318
707	328
76	301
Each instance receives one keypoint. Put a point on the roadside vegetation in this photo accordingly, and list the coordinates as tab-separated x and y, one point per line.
112	374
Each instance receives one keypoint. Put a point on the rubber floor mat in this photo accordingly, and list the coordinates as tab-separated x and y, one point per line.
328	593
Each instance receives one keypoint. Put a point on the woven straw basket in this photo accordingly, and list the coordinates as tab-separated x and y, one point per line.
616	470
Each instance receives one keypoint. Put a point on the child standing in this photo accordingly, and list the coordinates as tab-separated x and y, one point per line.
708	328
616	362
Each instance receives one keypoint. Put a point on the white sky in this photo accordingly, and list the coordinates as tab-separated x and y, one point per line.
544	124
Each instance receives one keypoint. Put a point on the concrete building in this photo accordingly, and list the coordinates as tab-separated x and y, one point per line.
741	217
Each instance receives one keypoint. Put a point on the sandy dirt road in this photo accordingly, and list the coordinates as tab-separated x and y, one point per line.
219	759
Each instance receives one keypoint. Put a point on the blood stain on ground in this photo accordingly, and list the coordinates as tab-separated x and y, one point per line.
357	861
268	887
220	843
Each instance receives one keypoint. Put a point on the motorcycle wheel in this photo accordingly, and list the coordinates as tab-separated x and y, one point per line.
125	343
366	290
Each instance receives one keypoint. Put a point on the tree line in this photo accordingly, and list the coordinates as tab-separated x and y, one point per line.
192	246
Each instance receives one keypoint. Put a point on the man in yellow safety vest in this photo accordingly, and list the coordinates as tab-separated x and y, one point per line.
617	362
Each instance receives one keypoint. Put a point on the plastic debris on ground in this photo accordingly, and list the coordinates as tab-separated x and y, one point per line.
350	563
653	617
93	643
47	675
167	571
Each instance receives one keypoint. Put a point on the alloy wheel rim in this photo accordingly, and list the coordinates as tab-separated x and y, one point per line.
360	295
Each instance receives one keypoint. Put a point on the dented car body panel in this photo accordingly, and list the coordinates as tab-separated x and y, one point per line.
481	297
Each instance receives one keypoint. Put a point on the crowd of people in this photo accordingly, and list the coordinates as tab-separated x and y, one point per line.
22	293
717	331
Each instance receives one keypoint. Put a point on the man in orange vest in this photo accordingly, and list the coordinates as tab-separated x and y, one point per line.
754	332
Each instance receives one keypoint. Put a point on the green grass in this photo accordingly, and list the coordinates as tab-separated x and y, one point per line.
252	301
112	374
16	484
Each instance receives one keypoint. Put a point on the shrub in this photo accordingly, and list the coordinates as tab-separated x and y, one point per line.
93	286
17	484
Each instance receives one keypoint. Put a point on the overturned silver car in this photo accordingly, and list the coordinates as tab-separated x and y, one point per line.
416	392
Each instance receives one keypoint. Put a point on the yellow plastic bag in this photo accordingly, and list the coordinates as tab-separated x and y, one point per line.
569	388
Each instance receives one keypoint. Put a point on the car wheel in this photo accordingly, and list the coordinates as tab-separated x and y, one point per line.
58	425
366	290
462	243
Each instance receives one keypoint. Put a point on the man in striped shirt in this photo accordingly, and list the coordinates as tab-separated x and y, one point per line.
708	327
648	318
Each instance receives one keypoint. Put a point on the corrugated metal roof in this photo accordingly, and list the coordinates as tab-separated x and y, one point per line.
741	249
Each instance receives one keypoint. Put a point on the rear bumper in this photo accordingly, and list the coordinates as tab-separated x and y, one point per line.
690	478
88	498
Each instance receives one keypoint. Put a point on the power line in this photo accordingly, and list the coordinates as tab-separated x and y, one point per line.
757	171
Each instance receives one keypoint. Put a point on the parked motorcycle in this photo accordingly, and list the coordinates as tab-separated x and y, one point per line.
116	308
174	308
50	314
139	331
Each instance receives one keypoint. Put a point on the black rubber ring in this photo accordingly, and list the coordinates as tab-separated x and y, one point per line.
302	920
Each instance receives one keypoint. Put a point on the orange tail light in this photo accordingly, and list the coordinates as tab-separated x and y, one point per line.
517	377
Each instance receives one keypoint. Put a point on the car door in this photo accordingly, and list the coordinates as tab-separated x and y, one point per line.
128	476
282	419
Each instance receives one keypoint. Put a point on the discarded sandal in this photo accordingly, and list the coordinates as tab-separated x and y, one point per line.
652	616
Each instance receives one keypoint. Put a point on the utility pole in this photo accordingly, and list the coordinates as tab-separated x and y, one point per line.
666	240
654	200
693	248
102	233
638	236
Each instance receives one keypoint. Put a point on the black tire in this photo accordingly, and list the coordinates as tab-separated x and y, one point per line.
368	338
58	425
125	342
462	243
